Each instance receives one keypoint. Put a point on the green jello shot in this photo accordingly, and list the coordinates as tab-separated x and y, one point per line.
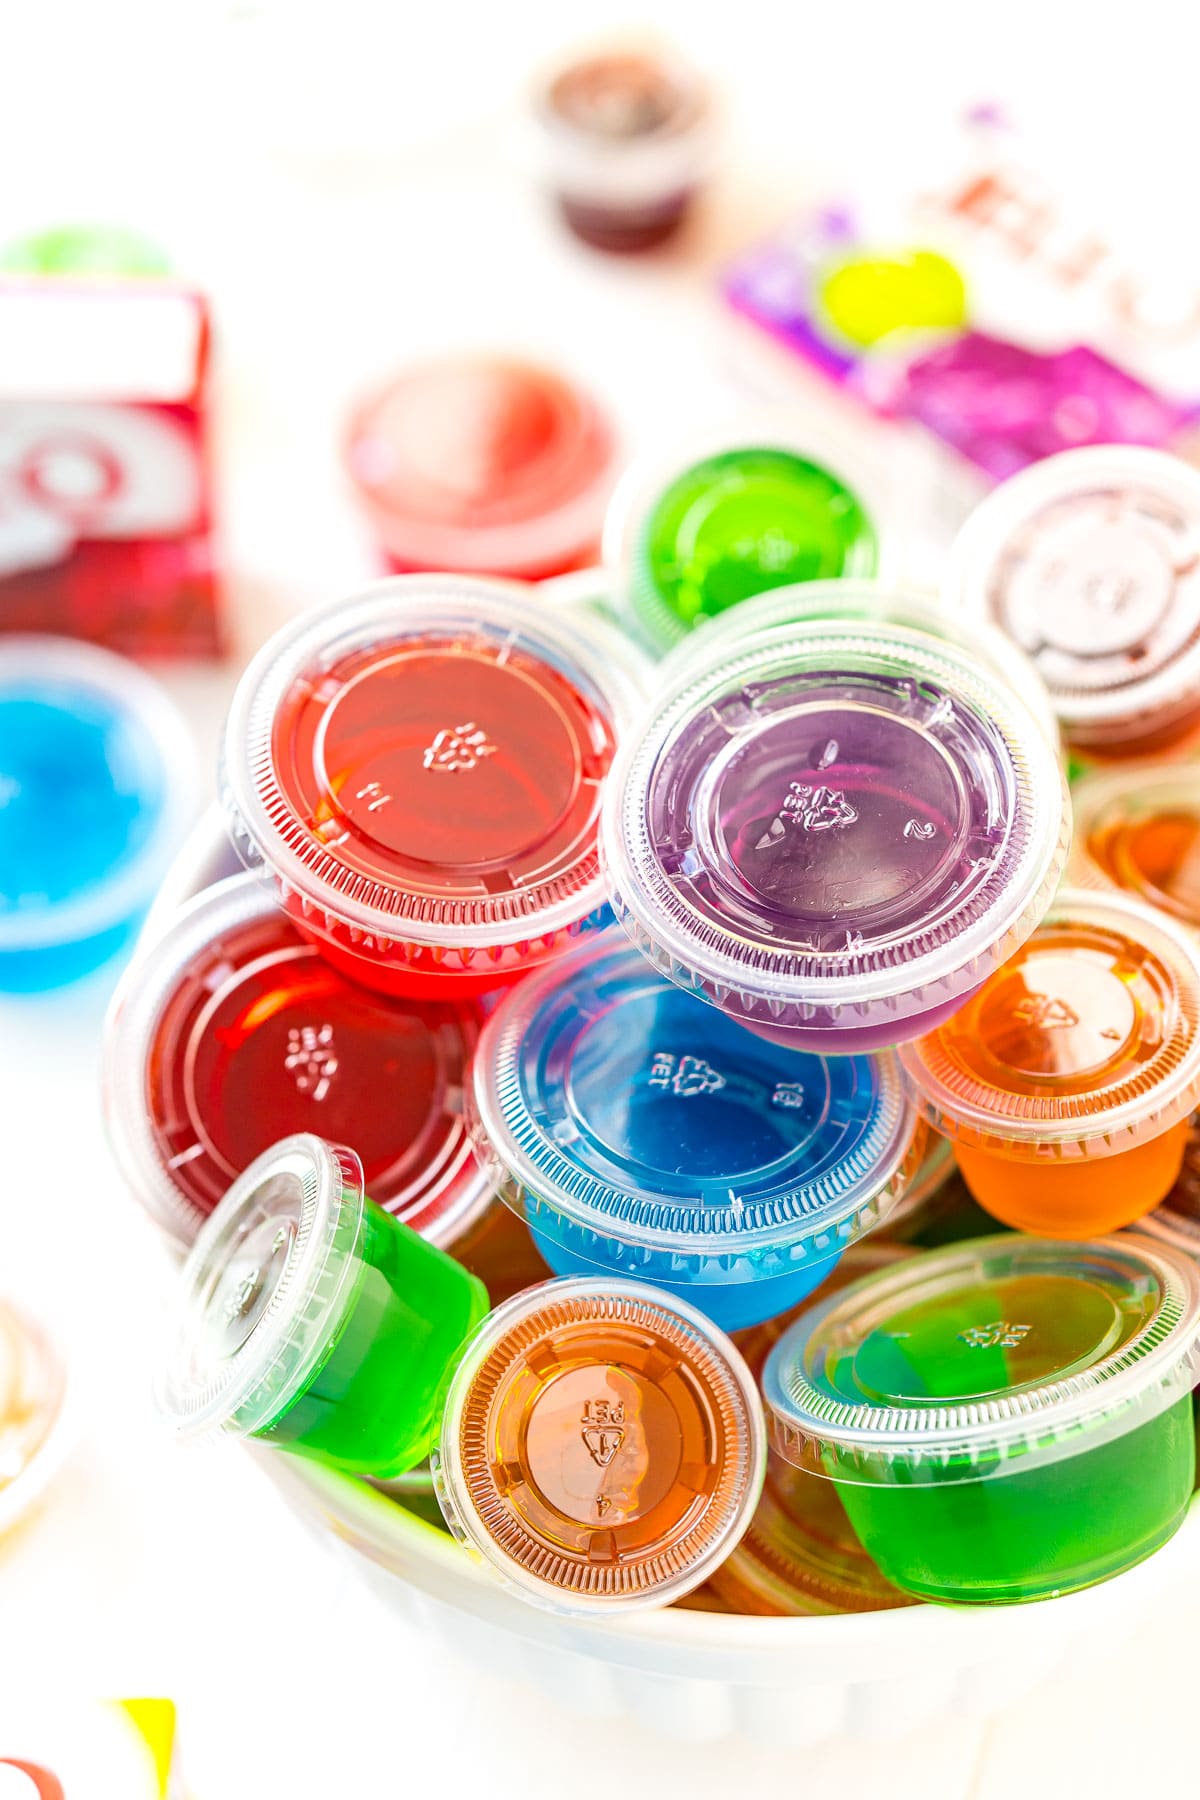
693	541
311	1319
1005	1419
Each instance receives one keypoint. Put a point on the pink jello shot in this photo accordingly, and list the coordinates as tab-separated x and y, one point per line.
836	834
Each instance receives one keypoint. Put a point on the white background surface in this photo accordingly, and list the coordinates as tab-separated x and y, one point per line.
340	178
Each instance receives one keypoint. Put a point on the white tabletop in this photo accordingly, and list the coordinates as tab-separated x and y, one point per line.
343	187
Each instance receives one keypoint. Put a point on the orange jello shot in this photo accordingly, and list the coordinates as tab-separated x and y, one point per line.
602	1447
1066	1082
1138	828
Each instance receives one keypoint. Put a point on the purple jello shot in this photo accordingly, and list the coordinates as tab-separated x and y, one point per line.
836	835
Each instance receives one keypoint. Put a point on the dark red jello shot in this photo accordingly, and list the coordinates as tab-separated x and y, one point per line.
231	1029
835	834
625	137
485	464
419	773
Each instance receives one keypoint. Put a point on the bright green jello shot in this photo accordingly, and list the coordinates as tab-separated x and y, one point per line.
1005	1419
311	1319
735	524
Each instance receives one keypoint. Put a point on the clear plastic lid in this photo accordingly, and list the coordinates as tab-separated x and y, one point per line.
96	787
614	1098
985	1358
847	599
626	121
759	502
1138	828
483	463
1089	1036
231	1029
845	826
425	761
602	1447
1088	561
262	1293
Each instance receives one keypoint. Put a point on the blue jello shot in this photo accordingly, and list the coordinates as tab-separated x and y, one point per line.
95	785
643	1134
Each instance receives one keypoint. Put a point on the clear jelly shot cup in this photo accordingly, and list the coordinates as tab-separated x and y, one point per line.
95	793
231	1030
1087	560
835	834
622	135
419	772
799	1555
757	503
36	1414
309	1319
645	1136
1067	1082
1004	1419
602	1446
483	463
780	610
1138	828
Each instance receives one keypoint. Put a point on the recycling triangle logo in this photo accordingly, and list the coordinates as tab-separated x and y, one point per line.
1044	1012
602	1442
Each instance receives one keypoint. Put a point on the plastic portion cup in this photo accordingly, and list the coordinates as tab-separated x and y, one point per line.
835	834
484	464
799	1555
1138	828
309	1319
602	1447
1005	1419
232	1029
34	1423
95	791
623	136
1177	1220
646	1136
1067	1082
782	609
754	507
1087	560
419	772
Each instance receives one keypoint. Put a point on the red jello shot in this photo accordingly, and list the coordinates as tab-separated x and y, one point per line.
835	833
624	134
231	1029
485	464
1088	560
419	772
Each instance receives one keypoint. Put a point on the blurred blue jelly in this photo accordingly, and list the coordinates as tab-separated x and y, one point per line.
95	785
645	1134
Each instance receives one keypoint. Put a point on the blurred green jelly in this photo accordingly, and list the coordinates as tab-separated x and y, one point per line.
106	250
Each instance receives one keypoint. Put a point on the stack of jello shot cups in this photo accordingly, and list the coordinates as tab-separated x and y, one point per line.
838	966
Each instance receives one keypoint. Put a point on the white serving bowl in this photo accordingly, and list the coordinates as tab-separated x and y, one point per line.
699	1675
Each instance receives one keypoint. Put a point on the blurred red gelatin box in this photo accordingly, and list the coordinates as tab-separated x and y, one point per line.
105	499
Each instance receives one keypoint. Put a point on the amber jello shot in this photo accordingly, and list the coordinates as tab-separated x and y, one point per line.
1138	828
1066	1083
310	1319
602	1449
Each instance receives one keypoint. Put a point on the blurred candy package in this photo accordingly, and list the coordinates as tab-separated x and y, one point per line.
89	1750
105	502
985	302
